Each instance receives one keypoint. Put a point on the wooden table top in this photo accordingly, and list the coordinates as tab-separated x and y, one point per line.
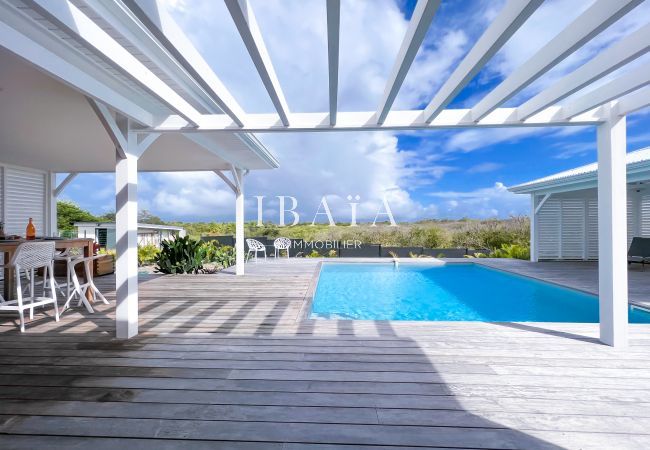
10	244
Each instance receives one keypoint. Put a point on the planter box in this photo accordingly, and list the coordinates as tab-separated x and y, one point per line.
363	251
445	252
103	265
223	240
401	252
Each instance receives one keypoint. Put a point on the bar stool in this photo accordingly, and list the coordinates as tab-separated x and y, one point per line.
29	257
79	289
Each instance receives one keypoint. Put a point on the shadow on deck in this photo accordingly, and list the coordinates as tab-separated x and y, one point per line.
225	362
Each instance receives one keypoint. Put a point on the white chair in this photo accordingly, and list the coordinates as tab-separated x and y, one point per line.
68	256
282	243
30	256
255	246
80	290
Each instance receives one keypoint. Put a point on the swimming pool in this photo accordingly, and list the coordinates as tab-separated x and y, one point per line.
453	292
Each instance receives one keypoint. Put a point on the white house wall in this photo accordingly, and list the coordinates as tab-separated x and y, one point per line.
567	223
23	194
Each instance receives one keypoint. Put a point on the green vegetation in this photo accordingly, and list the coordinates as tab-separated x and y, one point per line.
509	238
187	255
478	234
181	255
68	213
222	255
511	251
147	254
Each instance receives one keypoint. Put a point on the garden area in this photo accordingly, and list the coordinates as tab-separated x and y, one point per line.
495	238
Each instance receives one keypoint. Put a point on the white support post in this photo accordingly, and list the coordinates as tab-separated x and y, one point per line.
126	237
533	229
612	232
239	221
52	228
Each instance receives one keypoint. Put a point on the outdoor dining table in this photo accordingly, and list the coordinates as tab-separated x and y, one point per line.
8	247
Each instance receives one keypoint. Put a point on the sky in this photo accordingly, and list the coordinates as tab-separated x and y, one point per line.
432	174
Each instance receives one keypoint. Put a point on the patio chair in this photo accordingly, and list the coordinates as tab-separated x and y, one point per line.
67	256
255	246
282	243
31	256
80	290
639	252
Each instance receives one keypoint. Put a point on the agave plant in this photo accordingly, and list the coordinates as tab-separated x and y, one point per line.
181	255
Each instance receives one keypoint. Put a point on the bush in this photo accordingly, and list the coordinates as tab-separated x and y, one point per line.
493	234
147	254
223	255
181	255
511	251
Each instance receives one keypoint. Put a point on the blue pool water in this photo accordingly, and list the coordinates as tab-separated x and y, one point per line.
449	292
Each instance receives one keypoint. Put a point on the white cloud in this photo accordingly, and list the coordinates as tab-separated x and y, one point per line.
494	201
370	165
485	167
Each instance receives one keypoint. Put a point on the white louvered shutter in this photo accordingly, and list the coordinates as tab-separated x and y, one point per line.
573	228
592	228
645	214
24	198
548	229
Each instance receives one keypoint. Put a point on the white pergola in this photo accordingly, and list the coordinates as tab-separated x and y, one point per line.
145	79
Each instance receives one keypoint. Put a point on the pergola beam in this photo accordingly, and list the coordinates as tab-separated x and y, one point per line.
159	23
65	182
67	16
366	120
513	15
587	25
415	33
617	55
633	102
333	33
242	14
626	83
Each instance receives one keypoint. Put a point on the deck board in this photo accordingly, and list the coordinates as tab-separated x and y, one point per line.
229	362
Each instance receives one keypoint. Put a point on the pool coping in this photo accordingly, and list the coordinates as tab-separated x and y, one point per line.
305	310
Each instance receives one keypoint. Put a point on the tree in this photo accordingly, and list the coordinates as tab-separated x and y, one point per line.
68	213
145	216
107	217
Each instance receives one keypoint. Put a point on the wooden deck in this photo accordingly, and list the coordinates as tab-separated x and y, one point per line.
226	362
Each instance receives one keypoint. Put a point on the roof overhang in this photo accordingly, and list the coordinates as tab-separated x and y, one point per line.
583	178
48	125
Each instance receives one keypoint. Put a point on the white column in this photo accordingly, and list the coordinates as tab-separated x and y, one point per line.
126	237
52	227
239	223
612	232
533	228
